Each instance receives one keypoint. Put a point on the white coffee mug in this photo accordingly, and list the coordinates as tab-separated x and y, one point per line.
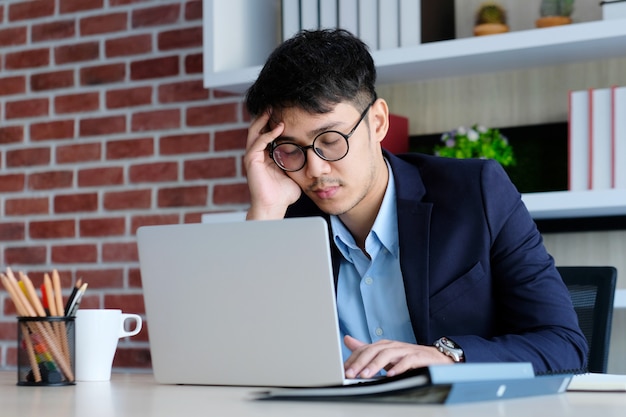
97	334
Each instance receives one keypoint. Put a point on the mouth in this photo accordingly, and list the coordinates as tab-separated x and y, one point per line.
326	192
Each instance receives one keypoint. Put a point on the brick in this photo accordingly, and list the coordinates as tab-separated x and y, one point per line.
31	58
26	206
152	220
98	177
28	157
50	180
127	200
182	92
134	278
52	80
12	85
180	38
72	254
75	203
119	252
79	52
58	129
193	10
209	168
228	140
12	231
132	356
13	36
212	115
129	97
56	30
12	183
154	16
33	107
194	64
111	226
125	2
74	103
103	23
8	330
182	196
181	144
125	302
102	278
71	6
154	68
25	255
130	148
193	217
31	9
11	134
155	120
153	172
102	125
231	194
129	45
102	74
52	229
82	152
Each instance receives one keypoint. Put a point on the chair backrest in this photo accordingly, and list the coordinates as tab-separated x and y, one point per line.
592	289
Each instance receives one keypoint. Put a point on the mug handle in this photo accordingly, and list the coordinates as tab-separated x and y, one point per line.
138	324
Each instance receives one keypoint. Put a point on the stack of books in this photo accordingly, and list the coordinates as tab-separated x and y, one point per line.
597	139
380	24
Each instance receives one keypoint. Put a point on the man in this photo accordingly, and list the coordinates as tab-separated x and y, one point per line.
436	260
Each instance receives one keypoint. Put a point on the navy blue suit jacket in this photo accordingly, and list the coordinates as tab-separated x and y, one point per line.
474	265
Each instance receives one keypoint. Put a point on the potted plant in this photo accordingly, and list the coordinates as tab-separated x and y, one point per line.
490	19
476	142
555	13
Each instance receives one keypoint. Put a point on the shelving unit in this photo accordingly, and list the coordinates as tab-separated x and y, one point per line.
239	37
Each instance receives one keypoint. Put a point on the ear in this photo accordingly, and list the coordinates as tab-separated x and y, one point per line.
379	119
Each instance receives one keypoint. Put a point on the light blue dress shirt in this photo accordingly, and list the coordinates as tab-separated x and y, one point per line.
371	301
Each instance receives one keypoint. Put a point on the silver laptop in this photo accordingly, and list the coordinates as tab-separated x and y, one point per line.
241	303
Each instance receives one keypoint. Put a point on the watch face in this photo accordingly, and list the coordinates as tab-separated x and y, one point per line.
448	343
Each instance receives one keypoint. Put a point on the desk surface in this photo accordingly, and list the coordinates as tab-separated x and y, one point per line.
138	395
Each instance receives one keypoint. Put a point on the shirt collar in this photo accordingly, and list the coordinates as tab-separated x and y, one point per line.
385	228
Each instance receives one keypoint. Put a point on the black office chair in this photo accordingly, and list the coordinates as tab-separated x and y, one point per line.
592	289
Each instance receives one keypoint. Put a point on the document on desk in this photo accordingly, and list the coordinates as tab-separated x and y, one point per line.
598	382
437	384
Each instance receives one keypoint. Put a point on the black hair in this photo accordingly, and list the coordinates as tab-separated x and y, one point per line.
315	70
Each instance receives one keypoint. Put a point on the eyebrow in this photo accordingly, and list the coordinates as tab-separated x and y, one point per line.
313	133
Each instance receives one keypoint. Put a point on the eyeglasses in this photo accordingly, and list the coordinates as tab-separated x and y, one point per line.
329	145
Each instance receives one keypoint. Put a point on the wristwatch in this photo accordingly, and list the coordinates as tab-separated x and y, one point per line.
451	349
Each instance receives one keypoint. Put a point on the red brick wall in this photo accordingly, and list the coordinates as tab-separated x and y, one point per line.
105	126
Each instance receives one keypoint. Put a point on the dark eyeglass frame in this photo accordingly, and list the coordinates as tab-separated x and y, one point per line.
273	145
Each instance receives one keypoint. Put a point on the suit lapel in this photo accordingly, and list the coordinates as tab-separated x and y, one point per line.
414	238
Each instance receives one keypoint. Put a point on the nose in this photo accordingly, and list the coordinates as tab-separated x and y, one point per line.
315	166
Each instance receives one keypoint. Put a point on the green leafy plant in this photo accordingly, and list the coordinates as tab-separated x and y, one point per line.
476	142
490	12
556	8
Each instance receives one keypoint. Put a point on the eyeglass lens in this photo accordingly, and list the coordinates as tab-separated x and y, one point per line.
330	146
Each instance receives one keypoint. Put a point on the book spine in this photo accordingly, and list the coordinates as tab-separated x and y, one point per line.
290	18
348	16
368	23
578	140
410	22
388	24
619	123
602	160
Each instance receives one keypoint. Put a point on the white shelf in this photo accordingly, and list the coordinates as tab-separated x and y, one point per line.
568	204
458	57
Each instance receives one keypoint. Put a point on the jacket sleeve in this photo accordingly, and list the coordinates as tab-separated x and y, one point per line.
533	303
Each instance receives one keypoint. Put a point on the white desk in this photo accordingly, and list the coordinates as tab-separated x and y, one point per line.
138	395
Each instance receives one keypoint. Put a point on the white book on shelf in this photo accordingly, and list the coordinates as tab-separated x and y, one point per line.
368	23
290	18
410	22
309	14
578	141
348	11
328	13
601	139
619	136
388	24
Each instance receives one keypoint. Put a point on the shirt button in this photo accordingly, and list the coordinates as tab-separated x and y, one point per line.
369	280
379	331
